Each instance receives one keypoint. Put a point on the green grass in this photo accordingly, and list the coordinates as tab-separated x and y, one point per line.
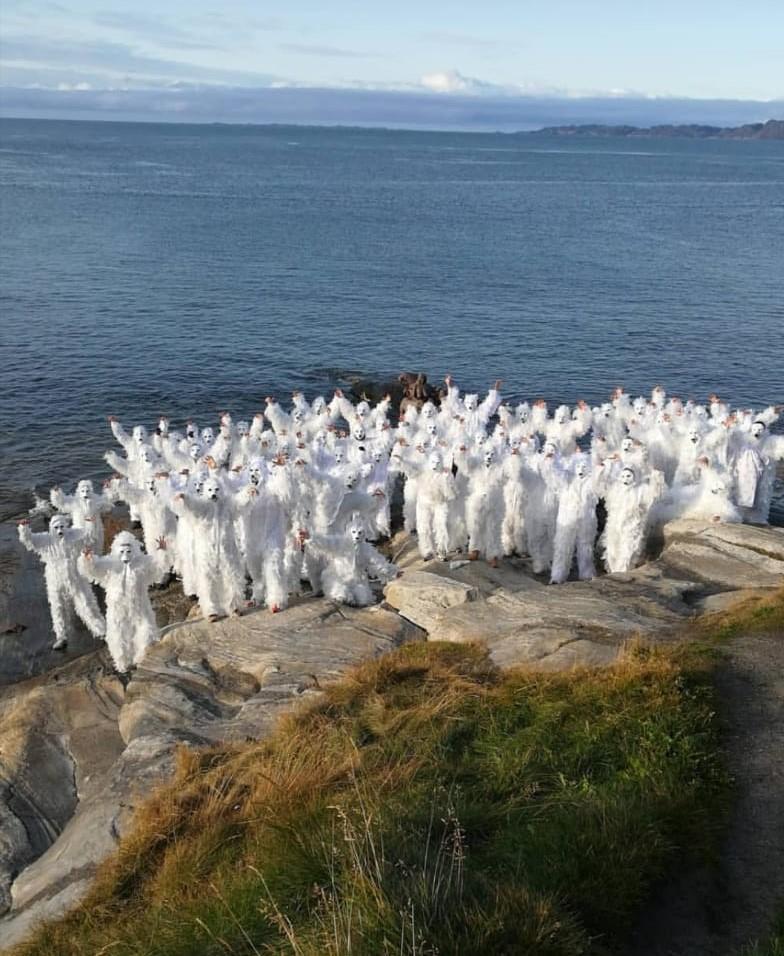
427	804
763	612
774	945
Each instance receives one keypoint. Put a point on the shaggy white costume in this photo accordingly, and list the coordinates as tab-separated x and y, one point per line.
513	531
755	472
66	589
85	509
575	524
348	560
708	499
187	533
485	510
125	575
218	567
265	525
629	503
132	445
436	490
152	503
541	506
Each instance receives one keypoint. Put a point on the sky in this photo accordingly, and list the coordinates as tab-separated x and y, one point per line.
459	64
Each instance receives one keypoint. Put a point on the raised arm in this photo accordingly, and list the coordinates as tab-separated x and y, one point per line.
125	491
257	426
277	418
119	433
60	501
380	412
341	407
93	567
37	543
451	400
182	501
116	463
768	415
489	406
172	455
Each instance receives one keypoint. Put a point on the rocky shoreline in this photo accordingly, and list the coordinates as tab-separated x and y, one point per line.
79	747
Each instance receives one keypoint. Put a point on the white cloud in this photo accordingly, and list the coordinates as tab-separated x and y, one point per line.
450	81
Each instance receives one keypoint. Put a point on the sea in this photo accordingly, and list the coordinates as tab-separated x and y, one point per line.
150	269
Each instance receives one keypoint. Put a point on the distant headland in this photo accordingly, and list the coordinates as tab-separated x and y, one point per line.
772	129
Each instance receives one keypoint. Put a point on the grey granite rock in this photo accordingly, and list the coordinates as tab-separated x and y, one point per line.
421	596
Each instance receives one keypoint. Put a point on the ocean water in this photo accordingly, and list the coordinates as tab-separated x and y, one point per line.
150	269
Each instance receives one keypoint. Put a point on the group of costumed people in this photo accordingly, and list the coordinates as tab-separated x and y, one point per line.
250	513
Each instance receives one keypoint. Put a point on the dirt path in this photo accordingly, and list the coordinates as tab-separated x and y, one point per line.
718	912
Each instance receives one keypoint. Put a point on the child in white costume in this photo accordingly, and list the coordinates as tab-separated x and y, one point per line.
348	560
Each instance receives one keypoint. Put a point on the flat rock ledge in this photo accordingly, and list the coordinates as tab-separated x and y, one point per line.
79	749
524	620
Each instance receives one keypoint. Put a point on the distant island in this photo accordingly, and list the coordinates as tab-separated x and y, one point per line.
772	129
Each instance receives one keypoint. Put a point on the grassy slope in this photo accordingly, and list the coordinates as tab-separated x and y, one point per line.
774	945
426	804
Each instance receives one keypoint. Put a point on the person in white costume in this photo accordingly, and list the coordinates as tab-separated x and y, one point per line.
66	590
348	561
629	502
86	509
125	574
436	491
575	523
219	579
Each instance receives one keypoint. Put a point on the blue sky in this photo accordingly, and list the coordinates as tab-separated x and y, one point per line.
206	59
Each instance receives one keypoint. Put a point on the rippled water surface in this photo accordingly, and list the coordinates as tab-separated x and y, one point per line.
187	269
